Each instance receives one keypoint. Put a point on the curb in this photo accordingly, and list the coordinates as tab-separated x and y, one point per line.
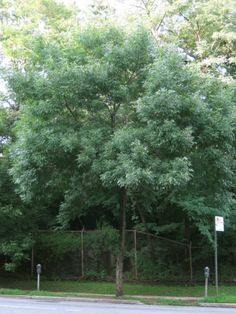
113	300
219	305
72	299
166	297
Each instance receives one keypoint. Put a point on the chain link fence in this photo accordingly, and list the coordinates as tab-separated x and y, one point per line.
92	255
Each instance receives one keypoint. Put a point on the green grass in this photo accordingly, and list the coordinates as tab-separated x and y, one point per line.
93	287
60	286
221	299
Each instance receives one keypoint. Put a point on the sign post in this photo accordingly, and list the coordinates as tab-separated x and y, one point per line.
219	226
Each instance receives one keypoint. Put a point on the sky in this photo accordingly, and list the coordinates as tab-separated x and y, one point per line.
121	6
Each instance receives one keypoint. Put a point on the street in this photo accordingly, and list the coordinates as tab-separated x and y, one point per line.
32	306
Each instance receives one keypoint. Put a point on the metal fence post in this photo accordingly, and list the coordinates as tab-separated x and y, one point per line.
32	262
190	261
135	255
82	252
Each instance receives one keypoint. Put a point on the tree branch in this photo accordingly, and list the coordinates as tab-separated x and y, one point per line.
159	25
70	111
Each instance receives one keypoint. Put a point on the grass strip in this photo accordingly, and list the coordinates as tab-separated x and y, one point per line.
221	299
148	300
109	288
68	287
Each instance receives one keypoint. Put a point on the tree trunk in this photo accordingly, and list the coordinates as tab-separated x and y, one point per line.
120	257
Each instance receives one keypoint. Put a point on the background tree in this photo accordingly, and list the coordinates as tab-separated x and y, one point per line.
203	30
16	222
206	32
183	112
26	25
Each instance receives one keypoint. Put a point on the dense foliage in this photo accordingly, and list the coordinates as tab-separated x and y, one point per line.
105	126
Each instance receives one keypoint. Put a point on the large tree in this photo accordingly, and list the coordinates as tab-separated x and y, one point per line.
71	114
111	122
108	124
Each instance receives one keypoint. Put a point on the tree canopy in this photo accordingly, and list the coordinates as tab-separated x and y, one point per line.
117	127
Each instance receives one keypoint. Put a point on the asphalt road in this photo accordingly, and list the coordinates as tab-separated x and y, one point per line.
32	306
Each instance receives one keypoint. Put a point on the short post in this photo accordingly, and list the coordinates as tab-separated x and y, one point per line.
39	269
206	274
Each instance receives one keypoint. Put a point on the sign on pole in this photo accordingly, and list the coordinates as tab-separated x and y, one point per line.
219	223
219	226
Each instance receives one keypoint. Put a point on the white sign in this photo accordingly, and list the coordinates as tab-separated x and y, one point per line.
219	223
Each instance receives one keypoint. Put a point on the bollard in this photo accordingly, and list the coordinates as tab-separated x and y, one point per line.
39	269
206	274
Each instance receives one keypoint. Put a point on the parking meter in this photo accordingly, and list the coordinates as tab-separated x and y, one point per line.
39	270
206	274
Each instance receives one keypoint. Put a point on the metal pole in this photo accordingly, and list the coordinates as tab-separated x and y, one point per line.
216	265
32	262
38	282
135	255
39	269
206	287
190	261
82	253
